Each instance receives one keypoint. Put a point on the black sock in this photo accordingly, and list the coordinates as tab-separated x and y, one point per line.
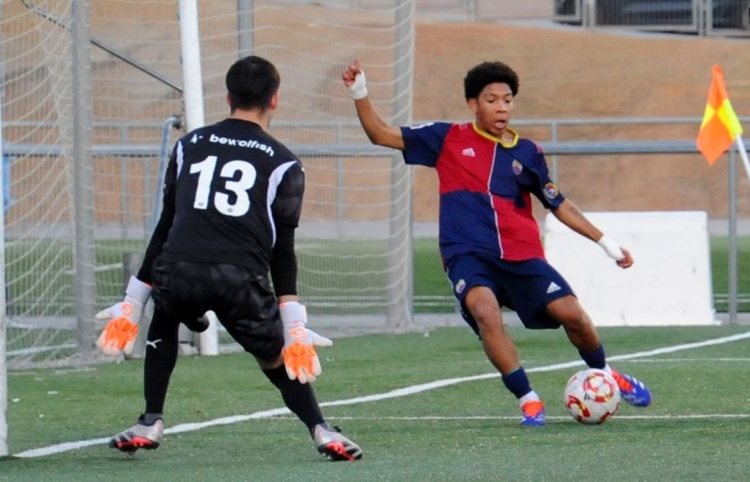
161	357
150	418
298	397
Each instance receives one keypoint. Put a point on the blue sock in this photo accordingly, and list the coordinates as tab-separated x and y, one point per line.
517	382
596	358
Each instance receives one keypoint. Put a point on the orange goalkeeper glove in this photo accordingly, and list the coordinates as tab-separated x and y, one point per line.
120	333
300	358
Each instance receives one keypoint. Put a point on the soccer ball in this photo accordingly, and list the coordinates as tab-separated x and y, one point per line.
591	396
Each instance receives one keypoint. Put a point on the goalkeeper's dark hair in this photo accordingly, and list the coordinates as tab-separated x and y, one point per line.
252	82
486	73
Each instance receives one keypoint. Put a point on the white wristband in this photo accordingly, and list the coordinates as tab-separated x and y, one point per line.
611	248
292	312
138	290
358	89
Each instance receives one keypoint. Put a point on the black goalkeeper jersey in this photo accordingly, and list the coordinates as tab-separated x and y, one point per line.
228	189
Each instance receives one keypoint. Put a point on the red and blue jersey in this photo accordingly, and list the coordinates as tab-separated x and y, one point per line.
485	187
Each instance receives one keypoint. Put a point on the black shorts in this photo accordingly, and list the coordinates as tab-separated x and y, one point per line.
526	287
243	301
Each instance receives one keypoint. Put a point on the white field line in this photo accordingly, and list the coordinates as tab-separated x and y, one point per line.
691	360
401	392
428	418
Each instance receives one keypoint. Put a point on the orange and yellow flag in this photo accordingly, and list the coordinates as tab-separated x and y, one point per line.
720	126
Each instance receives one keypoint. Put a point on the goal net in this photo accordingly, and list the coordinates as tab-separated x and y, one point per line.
92	103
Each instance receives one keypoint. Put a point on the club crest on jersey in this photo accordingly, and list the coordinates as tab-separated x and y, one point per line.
460	286
517	167
550	190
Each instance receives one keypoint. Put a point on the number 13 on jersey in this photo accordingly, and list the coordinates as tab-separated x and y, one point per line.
206	169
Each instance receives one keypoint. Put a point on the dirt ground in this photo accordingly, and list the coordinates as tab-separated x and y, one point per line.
568	72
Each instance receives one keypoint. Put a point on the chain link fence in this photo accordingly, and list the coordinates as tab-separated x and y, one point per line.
703	17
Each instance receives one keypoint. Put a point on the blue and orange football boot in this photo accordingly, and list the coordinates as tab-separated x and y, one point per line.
632	390
533	414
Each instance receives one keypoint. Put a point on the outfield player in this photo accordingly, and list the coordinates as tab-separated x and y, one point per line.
232	202
489	240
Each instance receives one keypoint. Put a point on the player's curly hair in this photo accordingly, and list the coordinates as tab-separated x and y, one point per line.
252	82
486	73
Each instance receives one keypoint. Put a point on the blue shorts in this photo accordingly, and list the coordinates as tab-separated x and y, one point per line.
526	287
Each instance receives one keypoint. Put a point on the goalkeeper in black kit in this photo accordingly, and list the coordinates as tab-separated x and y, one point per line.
232	201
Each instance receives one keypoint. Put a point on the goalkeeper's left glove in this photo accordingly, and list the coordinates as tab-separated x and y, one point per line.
300	358
120	333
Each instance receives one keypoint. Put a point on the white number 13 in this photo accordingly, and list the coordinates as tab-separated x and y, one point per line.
206	168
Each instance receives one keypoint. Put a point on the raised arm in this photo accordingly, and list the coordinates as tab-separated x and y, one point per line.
569	214
377	130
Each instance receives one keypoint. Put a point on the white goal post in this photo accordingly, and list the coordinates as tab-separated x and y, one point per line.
3	334
669	284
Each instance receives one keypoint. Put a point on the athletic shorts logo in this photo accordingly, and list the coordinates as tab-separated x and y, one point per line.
152	343
460	286
550	190
553	287
517	167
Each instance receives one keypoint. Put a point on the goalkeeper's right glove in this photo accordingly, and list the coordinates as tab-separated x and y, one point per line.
300	358
120	333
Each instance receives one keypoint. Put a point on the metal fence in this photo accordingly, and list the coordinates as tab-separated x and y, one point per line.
703	17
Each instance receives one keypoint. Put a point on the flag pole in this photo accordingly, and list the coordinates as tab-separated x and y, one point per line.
743	154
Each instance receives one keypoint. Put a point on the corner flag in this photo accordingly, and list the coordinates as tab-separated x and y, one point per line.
720	127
